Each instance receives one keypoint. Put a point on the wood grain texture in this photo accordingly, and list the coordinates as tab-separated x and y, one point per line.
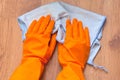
11	42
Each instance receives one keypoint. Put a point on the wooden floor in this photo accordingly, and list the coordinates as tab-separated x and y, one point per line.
11	42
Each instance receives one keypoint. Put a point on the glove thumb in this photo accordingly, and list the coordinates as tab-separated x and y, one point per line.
51	47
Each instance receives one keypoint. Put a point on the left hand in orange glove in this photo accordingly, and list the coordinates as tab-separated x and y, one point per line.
37	49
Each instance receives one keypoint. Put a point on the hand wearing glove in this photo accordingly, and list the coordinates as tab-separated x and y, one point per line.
73	54
37	49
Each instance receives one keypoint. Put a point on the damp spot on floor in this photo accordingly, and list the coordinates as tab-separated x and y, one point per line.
114	43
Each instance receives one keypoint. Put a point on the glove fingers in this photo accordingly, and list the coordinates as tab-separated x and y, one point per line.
44	24
37	26
68	29
52	45
87	36
31	26
50	27
75	28
81	31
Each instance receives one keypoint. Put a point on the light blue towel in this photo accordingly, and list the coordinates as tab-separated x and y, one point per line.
60	11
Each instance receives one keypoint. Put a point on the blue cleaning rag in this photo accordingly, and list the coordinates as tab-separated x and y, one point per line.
61	11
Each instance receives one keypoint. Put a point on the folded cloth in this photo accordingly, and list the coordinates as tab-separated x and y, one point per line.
61	11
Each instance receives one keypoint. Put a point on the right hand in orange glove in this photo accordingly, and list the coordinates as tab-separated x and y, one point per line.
73	54
37	49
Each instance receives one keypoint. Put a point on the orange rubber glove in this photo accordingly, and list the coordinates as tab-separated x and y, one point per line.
73	54
37	49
